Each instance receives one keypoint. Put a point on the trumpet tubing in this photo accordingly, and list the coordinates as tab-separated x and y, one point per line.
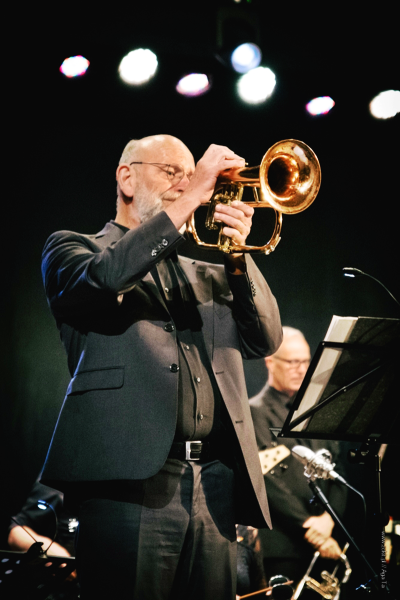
329	587
287	180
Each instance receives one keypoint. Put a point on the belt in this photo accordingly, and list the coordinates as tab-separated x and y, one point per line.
195	450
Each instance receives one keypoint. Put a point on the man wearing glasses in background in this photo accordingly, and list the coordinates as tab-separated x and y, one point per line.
299	528
154	444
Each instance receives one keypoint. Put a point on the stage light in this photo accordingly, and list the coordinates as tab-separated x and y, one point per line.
320	106
138	66
194	84
246	57
74	66
385	105
238	38
256	85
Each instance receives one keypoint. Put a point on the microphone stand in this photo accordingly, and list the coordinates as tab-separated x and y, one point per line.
353	272
379	587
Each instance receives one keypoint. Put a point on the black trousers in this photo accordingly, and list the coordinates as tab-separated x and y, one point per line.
168	537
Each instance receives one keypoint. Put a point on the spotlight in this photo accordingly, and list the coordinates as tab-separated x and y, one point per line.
194	84
320	106
138	66
246	57
238	38
256	85
74	66
385	105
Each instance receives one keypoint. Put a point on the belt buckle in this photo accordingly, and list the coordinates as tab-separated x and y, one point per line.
188	450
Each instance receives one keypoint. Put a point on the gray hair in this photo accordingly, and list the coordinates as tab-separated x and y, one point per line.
129	151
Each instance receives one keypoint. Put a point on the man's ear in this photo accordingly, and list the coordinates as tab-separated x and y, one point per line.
268	362
126	180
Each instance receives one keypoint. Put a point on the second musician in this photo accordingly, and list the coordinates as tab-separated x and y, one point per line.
299	528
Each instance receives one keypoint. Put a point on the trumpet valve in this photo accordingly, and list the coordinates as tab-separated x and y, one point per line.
327	588
210	222
225	195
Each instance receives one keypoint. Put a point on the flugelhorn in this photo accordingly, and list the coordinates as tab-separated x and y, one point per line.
287	180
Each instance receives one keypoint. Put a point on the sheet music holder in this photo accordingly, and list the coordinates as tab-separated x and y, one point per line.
350	393
350	390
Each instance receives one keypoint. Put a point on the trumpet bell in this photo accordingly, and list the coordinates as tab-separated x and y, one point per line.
290	176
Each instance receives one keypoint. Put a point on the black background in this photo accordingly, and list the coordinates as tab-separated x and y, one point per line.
67	136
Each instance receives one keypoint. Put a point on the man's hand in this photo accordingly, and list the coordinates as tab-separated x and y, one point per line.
215	160
237	219
330	549
319	529
19	540
201	186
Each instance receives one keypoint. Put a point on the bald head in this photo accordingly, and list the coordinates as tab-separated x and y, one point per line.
288	366
138	150
145	188
289	332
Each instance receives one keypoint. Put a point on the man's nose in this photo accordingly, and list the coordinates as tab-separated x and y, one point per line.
182	185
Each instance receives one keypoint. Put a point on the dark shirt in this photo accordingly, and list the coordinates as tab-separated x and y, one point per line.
199	399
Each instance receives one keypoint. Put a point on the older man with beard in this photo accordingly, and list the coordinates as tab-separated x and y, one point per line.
154	445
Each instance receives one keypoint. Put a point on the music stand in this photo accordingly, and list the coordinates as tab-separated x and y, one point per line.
31	575
349	393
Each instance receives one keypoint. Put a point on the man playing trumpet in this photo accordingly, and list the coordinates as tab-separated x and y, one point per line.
154	444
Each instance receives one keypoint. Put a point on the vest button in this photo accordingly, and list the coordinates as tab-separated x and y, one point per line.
169	327
174	368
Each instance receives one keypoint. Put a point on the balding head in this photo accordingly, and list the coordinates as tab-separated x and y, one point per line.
290	332
152	145
144	189
287	367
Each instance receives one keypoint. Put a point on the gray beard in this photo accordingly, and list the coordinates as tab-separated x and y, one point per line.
148	203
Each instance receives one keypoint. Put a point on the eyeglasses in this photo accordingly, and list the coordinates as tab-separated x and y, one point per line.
175	173
294	364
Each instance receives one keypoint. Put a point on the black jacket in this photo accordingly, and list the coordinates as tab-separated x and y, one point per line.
119	415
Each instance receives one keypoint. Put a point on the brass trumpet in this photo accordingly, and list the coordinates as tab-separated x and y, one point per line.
329	587
287	180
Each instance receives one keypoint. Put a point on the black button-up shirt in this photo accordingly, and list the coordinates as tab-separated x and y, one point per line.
199	399
198	394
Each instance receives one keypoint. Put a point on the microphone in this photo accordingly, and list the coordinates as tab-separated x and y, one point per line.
317	465
352	272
